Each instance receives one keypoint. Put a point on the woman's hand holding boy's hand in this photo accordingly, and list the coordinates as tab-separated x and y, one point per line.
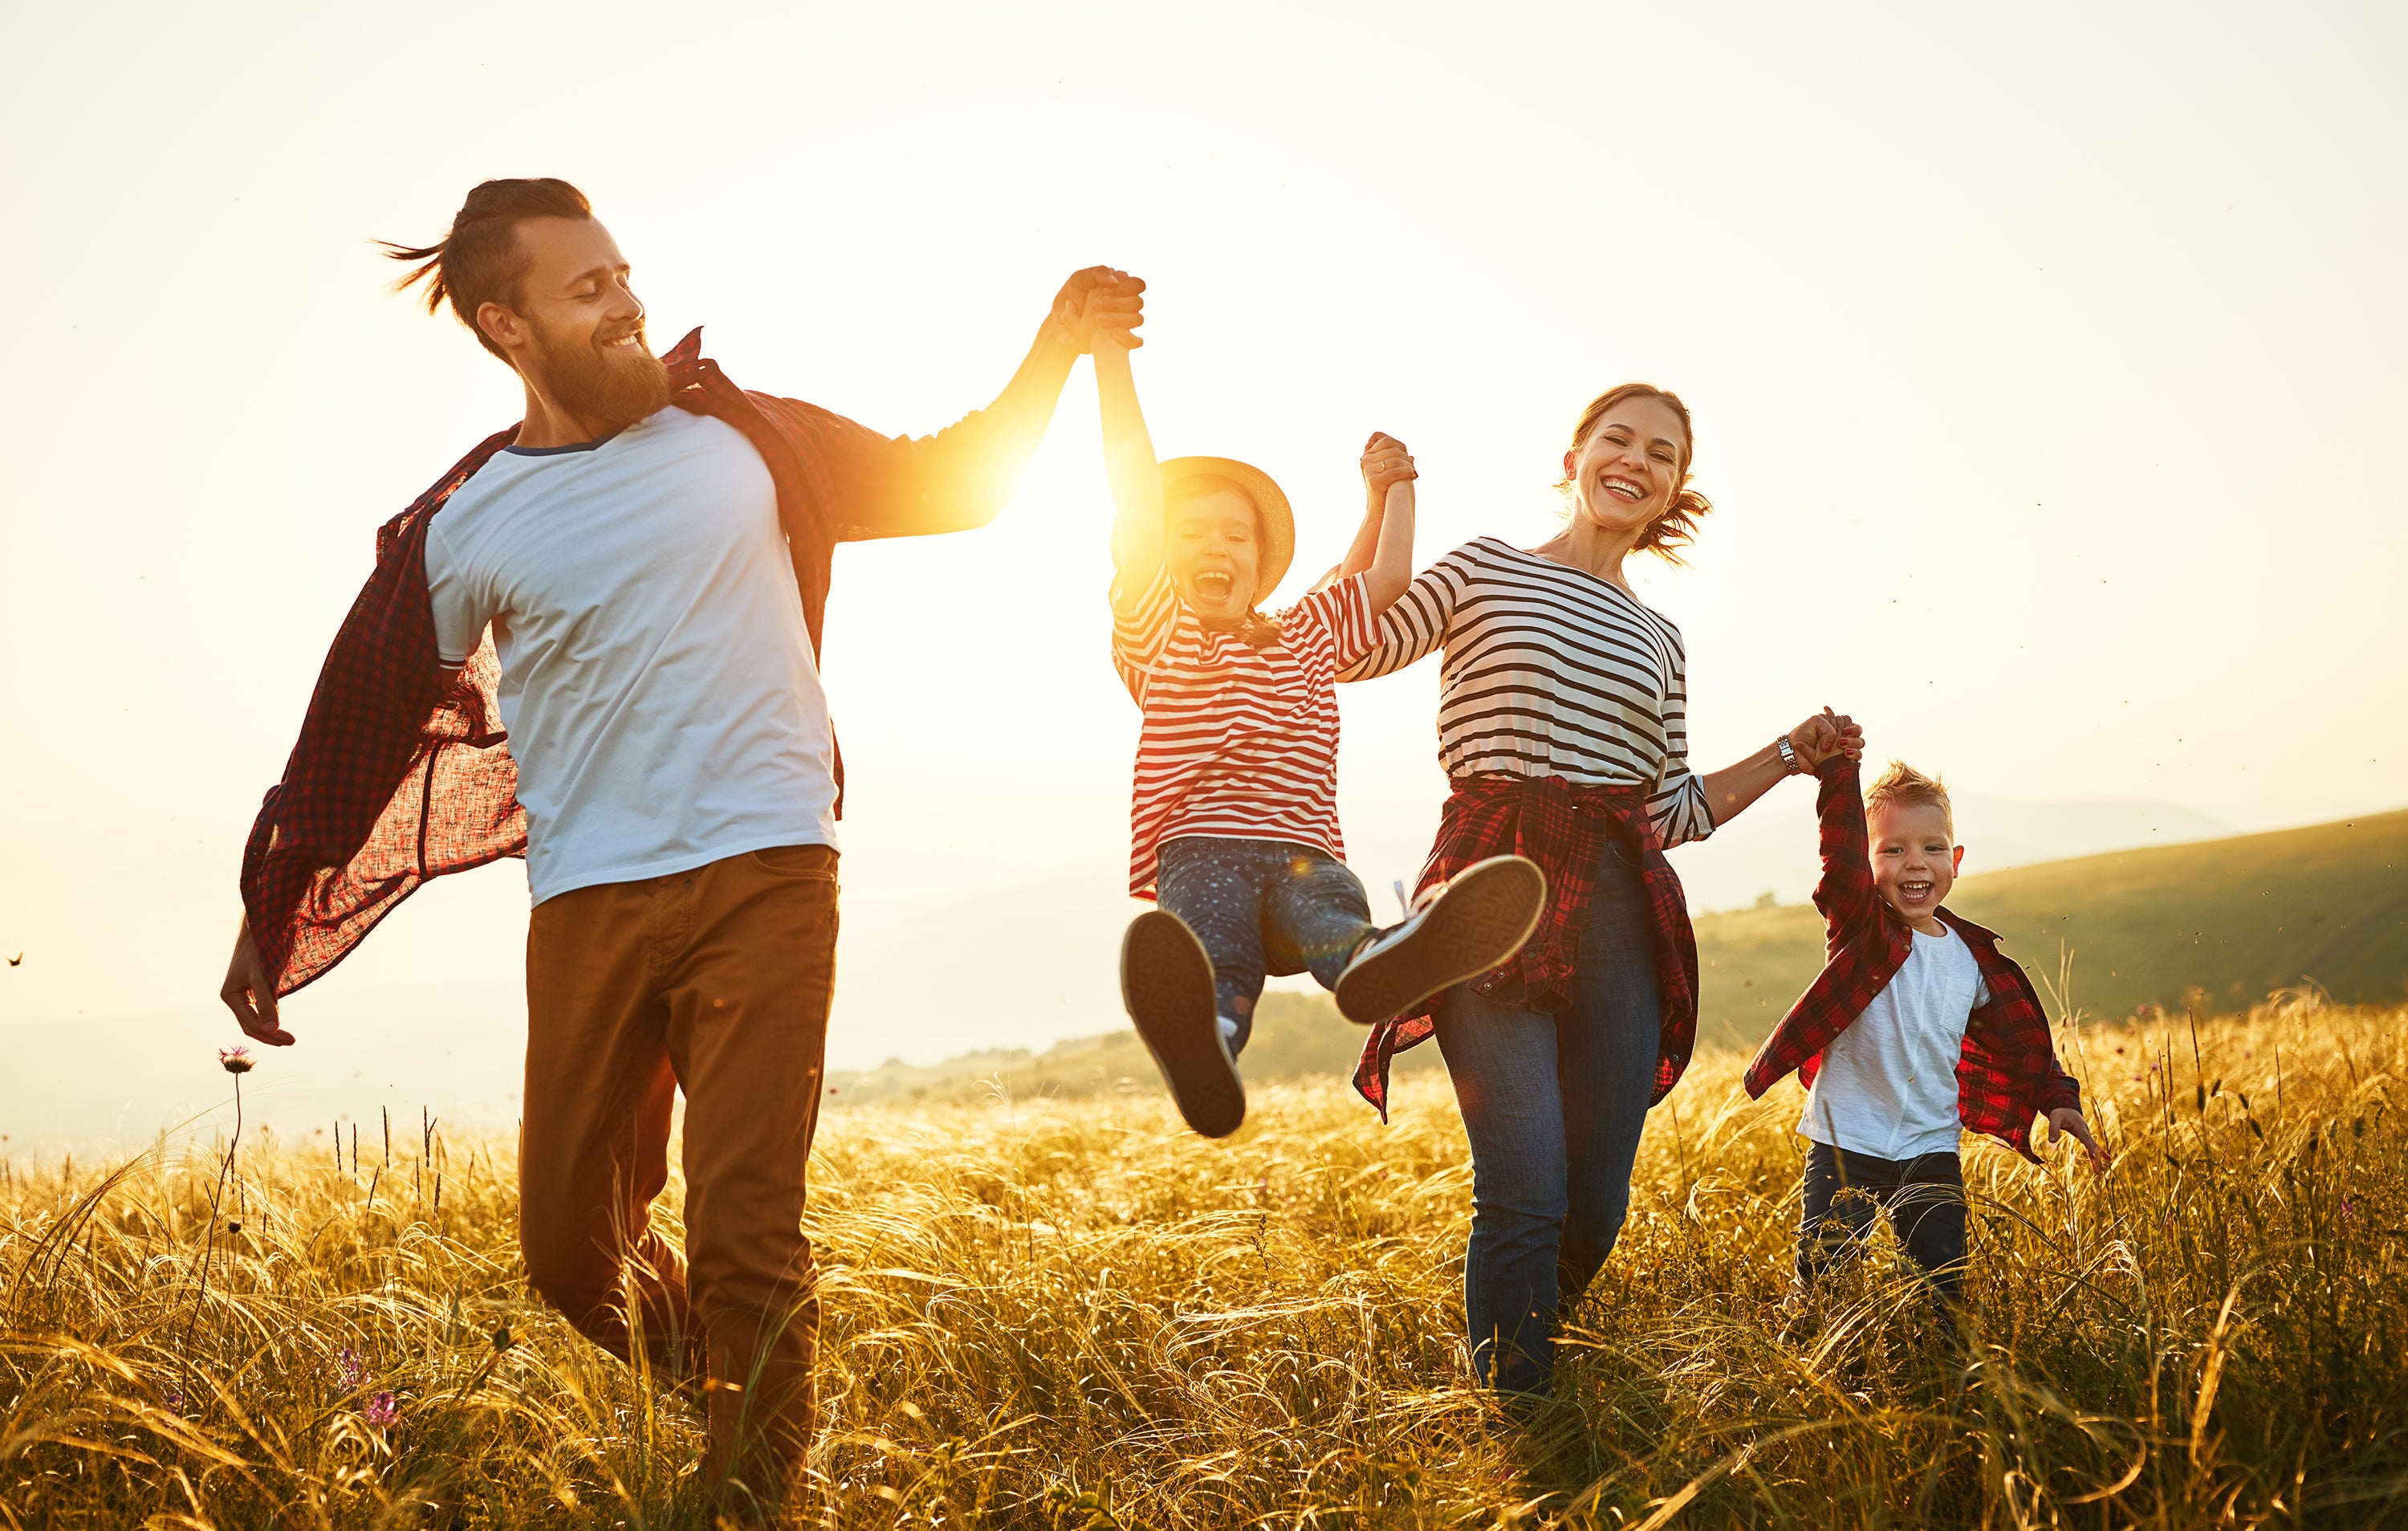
1826	735
2067	1119
1100	304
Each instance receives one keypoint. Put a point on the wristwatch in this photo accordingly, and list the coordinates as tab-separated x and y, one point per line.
1788	753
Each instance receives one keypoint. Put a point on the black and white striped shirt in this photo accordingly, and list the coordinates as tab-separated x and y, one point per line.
1549	672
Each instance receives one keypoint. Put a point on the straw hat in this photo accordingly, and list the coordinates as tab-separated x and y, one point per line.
1279	522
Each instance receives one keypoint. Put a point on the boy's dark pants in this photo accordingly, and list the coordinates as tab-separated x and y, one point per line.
1925	1198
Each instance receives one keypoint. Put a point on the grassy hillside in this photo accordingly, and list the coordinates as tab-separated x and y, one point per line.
2237	919
1074	1316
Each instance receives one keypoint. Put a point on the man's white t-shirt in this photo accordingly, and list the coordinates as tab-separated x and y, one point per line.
658	684
1887	1087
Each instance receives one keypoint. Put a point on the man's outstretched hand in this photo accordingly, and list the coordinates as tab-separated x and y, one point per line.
1101	303
248	993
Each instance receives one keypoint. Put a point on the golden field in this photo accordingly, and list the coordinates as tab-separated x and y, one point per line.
1068	1313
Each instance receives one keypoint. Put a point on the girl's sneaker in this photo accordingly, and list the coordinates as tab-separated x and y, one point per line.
1166	983
1473	922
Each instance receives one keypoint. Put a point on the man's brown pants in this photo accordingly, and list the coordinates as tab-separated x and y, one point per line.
716	980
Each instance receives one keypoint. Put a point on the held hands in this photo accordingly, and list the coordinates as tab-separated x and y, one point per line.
1099	304
2066	1120
1386	462
1825	735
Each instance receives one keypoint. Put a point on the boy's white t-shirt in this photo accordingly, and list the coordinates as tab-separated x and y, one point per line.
658	684
1887	1087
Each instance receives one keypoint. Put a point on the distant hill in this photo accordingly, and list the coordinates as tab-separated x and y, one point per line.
2236	918
1772	850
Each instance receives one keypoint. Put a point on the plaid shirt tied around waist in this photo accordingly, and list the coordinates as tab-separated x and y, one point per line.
1564	827
401	773
2008	1073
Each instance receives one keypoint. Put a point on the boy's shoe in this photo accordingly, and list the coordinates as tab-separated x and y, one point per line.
1475	920
1166	983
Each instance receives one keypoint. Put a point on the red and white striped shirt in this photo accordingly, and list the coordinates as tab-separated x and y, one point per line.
1237	741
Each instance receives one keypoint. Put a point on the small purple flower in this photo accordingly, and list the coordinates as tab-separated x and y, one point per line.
380	1409
235	1060
349	1372
2347	1210
175	1400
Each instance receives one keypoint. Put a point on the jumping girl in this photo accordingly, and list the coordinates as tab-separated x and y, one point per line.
1234	817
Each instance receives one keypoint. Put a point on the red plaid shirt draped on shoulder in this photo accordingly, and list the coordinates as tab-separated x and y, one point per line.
401	774
1564	827
2008	1073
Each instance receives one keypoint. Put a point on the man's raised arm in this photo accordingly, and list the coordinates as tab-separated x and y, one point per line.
961	477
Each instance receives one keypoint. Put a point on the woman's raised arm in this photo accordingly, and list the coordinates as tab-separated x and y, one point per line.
1729	790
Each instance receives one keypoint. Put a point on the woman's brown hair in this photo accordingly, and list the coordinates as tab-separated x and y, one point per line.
479	262
1679	522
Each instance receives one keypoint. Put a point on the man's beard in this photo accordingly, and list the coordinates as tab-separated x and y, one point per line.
615	385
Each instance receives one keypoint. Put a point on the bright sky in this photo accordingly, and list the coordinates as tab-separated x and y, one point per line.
2047	365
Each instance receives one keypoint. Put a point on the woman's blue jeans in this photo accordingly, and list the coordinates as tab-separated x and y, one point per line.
1554	1106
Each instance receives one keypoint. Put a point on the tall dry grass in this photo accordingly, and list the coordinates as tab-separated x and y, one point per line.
1067	1314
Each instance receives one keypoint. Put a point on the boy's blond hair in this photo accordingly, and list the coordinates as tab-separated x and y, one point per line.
1901	785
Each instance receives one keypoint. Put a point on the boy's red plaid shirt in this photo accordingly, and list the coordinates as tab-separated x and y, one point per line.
2008	1073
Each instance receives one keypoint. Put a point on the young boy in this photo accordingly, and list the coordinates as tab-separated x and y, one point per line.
1234	822
1917	1028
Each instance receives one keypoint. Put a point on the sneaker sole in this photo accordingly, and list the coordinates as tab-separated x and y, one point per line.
1486	913
1166	983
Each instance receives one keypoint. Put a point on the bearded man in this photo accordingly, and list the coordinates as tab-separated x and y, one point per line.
594	642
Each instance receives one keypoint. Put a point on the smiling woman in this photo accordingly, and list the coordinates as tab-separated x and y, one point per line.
1615	421
1562	725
